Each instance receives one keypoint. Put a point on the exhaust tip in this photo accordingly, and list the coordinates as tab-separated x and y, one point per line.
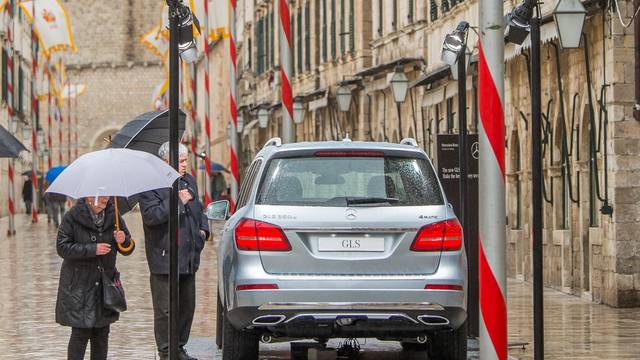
268	320
266	339
433	320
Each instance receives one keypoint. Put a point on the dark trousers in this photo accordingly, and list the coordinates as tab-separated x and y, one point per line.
187	303
99	338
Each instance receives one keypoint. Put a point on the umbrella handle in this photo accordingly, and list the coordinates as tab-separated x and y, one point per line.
115	202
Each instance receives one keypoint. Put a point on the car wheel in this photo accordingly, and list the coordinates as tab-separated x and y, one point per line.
219	315
413	347
450	345
238	345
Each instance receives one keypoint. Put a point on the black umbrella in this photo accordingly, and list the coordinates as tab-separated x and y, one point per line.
147	132
28	173
10	147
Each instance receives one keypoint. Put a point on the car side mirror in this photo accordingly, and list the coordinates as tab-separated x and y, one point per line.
218	210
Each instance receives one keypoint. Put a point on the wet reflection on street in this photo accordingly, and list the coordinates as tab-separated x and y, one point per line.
29	268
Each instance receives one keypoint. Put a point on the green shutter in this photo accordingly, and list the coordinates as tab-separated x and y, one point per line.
434	10
325	50
273	28
5	77
20	89
380	19
411	5
300	45
307	37
394	23
342	28
445	6
352	25
333	29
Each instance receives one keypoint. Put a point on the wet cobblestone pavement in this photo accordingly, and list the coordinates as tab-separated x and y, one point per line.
29	269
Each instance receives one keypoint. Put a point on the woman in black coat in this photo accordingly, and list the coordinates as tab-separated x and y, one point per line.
87	241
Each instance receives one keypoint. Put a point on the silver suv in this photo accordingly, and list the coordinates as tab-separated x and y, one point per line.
341	240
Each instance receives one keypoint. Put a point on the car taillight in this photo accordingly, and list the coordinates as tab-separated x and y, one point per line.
257	287
444	287
252	235
441	236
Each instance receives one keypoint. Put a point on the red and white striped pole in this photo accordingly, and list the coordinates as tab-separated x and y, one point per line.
50	122
492	244
60	138
207	122
194	125
34	121
233	106
286	70
12	123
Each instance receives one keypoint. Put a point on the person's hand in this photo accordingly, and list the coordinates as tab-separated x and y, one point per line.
185	196
204	234
119	236
103	249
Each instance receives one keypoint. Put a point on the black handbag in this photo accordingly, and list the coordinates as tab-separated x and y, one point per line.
113	297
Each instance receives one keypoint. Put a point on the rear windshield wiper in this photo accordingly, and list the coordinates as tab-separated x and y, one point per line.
370	200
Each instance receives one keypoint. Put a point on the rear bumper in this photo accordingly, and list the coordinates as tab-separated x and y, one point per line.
383	320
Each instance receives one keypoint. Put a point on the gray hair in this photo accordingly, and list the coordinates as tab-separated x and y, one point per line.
163	152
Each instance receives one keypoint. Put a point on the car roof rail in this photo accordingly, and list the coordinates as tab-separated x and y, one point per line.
409	141
276	141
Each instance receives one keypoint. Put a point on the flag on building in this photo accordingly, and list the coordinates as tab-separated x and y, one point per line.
52	25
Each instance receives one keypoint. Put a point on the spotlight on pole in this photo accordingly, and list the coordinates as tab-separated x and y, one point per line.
343	95
187	43
569	17
518	24
298	110
454	44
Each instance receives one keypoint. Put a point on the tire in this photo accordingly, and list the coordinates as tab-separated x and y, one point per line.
219	315
238	345
450	345
413	347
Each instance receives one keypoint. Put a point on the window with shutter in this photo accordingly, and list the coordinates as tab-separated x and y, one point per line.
380	19
445	6
300	40
352	25
410	15
343	49
434	10
20	90
325	50
273	28
267	41
307	37
260	40
249	54
333	29
4	75
394	20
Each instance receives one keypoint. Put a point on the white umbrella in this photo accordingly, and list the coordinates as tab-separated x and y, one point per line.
114	172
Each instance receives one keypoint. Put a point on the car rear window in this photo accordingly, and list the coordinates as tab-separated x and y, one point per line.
333	181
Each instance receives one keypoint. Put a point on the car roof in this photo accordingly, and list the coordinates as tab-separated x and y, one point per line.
274	147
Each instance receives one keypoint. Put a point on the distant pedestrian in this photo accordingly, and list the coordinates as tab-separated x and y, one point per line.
89	243
55	206
194	229
218	185
27	194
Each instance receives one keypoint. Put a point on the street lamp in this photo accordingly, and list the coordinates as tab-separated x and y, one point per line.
26	134
181	44
240	123
298	111
343	95
454	53
569	17
263	118
399	84
521	23
40	137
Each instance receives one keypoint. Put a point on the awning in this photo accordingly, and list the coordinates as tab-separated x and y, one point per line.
433	76
319	103
434	96
387	66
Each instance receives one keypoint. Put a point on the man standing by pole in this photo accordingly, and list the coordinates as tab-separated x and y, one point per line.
286	70
492	270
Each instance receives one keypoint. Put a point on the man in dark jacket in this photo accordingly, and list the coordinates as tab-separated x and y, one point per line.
194	229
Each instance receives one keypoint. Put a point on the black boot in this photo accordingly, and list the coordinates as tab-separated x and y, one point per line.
182	355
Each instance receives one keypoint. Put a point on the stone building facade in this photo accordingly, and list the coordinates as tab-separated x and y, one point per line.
588	252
